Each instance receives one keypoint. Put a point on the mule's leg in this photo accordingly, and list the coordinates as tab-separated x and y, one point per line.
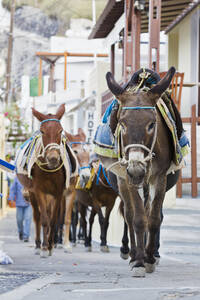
88	242
54	214
154	222
74	223
44	222
81	232
58	240
83	210
124	250
134	215
71	194
104	247
36	217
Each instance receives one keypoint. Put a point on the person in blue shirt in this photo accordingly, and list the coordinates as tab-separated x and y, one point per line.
23	210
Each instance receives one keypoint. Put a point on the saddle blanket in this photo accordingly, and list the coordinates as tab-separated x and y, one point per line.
28	153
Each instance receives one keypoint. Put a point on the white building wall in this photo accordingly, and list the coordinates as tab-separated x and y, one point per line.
96	83
187	60
184	63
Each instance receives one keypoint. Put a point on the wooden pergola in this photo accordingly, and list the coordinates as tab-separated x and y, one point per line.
51	58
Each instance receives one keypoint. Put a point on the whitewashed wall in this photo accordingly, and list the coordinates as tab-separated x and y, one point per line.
183	54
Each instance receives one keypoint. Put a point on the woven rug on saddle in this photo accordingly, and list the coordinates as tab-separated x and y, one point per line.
28	153
106	144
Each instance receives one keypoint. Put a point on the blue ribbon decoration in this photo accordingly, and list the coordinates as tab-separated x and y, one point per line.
47	120
104	173
86	167
137	107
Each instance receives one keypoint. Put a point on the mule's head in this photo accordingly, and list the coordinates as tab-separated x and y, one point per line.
81	150
51	130
137	118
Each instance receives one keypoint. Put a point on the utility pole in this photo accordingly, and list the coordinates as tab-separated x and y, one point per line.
10	52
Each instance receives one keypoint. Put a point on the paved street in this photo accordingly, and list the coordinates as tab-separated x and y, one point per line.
96	275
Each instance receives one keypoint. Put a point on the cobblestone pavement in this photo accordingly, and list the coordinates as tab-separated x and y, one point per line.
97	275
11	280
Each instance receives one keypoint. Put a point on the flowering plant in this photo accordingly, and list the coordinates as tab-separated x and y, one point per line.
14	123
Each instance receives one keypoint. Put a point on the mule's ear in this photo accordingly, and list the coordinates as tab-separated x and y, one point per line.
38	115
114	87
82	134
164	83
60	112
69	136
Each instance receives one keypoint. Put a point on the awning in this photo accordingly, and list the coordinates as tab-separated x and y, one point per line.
170	10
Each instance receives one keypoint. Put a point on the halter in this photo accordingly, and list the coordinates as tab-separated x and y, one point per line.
150	155
50	146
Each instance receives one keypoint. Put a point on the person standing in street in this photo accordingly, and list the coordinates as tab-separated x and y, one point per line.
23	210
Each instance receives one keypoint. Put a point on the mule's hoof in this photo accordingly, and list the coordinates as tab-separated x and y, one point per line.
67	249
37	251
44	254
59	246
104	249
73	244
88	249
50	252
124	255
138	272
150	268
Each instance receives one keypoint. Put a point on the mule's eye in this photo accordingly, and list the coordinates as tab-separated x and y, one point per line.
42	132
75	151
151	126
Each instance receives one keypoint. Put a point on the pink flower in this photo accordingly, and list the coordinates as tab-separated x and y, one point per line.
5	114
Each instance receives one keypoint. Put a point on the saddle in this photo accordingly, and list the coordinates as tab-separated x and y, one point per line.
107	133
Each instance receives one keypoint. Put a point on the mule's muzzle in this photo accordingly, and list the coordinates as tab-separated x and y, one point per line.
136	172
53	159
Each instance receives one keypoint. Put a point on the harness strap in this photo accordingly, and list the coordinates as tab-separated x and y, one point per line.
104	173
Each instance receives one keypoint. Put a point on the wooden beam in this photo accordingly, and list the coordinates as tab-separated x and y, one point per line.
112	59
135	39
154	32
194	152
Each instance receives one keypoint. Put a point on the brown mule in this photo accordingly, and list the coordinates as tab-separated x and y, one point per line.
46	188
146	154
101	194
78	143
